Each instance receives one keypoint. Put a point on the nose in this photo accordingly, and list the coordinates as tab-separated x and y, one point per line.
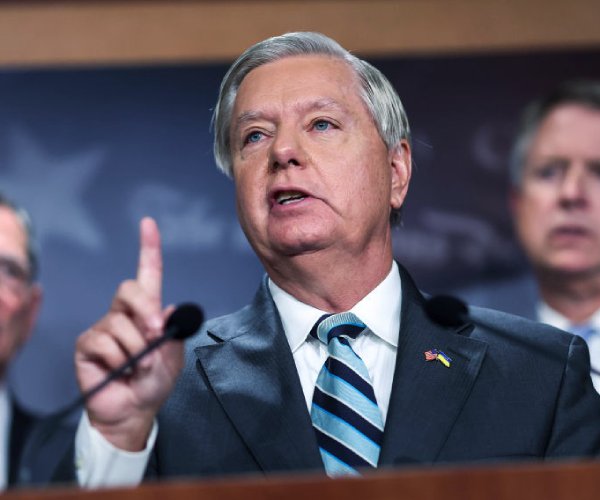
573	191
286	150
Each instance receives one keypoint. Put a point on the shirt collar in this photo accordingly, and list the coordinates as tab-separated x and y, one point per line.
379	310
5	426
552	317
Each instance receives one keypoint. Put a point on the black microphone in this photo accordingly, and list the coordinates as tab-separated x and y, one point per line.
447	310
450	311
183	322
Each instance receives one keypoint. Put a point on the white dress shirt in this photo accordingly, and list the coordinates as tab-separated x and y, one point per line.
551	317
99	463
5	423
377	346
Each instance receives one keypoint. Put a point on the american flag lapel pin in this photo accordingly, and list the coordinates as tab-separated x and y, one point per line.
442	357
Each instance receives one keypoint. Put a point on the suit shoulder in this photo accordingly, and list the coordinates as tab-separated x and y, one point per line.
503	326
259	314
517	295
222	328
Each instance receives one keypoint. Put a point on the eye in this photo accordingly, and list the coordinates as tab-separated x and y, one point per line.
594	167
322	125
550	170
253	136
12	271
546	172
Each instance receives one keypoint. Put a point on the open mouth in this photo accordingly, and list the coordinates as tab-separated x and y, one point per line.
289	197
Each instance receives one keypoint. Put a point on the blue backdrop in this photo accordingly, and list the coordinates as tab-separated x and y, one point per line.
90	151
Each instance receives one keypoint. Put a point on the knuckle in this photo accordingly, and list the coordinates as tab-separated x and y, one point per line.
127	288
117	322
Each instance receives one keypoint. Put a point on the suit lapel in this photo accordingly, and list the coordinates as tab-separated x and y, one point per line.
426	396
251	370
252	373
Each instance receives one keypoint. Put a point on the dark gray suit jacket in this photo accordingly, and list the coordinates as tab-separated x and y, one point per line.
36	445
515	390
21	426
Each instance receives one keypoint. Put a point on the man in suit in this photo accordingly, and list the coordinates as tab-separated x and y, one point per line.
317	143
555	200
20	297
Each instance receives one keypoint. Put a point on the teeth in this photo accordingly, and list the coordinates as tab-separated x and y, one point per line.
286	197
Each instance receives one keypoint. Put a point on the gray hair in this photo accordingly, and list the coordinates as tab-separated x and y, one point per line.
25	220
377	92
583	93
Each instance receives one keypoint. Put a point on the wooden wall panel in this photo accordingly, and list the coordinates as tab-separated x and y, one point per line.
129	32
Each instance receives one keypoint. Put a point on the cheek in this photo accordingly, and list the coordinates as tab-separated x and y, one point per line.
14	326
248	199
531	223
241	200
595	202
376	180
10	308
534	206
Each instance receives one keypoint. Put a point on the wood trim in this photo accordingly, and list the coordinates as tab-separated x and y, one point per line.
550	481
139	32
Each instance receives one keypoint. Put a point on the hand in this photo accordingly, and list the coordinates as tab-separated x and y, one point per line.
125	409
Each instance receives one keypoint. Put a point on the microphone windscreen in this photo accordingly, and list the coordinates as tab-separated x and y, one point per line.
184	321
447	310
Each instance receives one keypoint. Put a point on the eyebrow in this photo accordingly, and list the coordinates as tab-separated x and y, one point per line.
316	105
247	116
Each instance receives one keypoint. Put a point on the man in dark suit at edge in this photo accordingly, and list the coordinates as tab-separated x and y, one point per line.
317	143
555	204
20	298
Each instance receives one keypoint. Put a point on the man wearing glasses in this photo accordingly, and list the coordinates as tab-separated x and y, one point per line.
20	298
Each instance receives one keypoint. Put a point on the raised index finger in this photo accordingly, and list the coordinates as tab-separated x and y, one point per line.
149	274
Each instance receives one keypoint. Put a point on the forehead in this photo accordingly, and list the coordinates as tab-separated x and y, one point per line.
13	238
294	79
569	129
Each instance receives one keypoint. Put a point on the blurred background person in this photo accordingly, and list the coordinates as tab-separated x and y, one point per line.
20	297
555	203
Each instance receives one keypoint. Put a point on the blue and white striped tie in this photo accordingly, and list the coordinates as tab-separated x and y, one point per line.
344	410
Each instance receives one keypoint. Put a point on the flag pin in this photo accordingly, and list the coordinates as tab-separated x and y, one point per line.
442	357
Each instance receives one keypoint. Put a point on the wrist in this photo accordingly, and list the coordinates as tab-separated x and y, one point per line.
130	434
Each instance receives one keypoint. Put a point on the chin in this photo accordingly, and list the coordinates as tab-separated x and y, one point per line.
294	242
293	249
575	269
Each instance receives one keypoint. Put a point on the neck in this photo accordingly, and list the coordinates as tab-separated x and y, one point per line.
576	297
329	281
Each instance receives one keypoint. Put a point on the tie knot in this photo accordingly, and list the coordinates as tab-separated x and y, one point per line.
331	326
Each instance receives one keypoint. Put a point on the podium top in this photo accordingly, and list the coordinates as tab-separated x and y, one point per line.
530	481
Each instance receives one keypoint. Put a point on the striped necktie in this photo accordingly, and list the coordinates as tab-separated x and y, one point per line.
344	411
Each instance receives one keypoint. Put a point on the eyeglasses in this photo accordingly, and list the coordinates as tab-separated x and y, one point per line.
13	276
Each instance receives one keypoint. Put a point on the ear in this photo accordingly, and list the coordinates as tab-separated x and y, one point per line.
400	161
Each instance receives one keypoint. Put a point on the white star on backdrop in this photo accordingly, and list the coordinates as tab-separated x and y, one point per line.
51	187
186	222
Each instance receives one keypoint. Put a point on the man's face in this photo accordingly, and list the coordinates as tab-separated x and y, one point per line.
19	300
311	171
557	210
